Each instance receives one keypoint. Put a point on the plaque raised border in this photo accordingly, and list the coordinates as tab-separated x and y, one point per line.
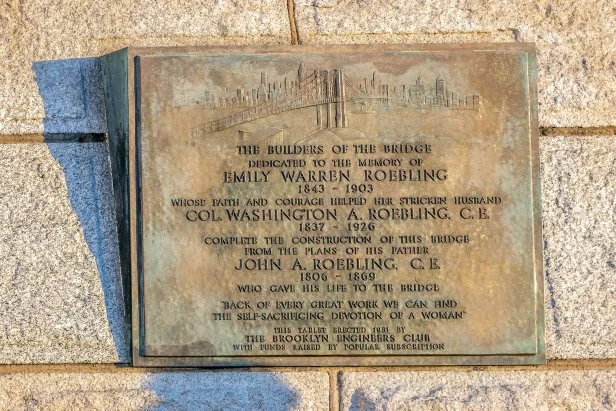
122	87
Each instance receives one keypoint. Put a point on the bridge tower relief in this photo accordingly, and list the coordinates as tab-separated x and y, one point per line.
331	99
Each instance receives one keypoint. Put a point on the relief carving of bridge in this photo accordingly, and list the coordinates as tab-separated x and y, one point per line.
329	90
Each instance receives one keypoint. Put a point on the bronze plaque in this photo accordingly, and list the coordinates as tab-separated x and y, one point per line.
339	205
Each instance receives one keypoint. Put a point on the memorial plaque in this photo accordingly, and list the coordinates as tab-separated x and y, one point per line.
335	205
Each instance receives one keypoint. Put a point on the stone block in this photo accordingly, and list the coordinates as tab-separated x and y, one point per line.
56	199
72	92
575	41
579	231
186	390
60	290
41	30
61	293
490	390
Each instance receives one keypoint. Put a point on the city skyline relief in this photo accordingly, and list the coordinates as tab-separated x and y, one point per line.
329	90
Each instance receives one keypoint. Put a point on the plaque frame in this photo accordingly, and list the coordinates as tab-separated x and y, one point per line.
121	79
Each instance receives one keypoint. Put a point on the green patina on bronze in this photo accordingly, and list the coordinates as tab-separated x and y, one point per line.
340	205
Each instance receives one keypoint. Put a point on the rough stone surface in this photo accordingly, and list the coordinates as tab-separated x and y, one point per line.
57	205
490	390
72	93
165	390
575	41
60	288
40	30
579	231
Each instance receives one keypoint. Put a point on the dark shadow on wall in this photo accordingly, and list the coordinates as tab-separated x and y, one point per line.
221	390
72	96
361	402
74	108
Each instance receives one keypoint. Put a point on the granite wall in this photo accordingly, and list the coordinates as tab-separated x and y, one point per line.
63	335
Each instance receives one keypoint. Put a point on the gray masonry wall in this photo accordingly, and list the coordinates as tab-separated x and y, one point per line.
63	333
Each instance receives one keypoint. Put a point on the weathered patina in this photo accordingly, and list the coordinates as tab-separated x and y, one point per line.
340	205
